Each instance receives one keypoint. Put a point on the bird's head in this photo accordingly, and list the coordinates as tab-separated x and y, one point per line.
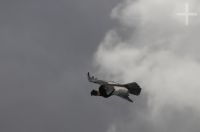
94	93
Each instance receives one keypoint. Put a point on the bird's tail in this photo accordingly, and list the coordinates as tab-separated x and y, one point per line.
133	88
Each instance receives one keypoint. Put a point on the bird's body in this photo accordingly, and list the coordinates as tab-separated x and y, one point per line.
107	89
120	91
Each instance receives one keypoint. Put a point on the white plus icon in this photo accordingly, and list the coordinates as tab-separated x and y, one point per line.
187	14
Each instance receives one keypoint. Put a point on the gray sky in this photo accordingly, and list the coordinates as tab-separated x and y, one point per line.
47	47
46	50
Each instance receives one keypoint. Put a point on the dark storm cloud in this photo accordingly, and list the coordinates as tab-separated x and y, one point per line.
46	47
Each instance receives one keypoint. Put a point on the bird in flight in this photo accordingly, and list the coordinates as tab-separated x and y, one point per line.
107	88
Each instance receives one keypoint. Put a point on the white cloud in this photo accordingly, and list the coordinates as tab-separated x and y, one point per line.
160	52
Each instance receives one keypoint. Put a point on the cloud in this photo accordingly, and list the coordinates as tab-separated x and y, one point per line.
153	46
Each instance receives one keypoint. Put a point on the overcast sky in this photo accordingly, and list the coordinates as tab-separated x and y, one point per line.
154	46
48	46
46	49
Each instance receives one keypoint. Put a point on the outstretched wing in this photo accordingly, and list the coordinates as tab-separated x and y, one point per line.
102	82
95	80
